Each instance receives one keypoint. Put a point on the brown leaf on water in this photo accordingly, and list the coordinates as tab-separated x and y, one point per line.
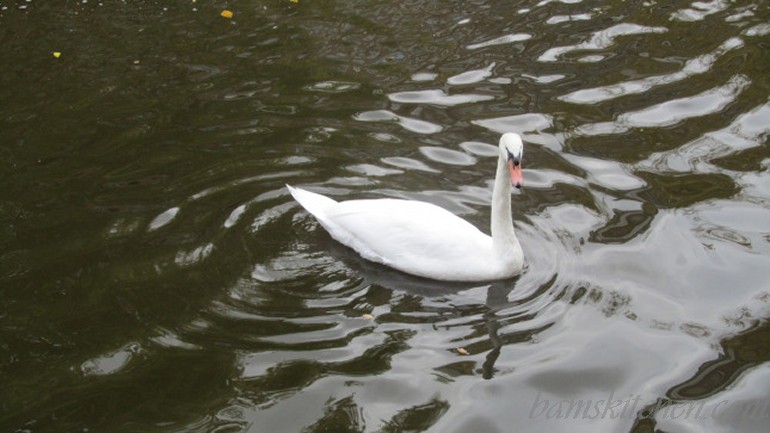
227	13
462	351
368	317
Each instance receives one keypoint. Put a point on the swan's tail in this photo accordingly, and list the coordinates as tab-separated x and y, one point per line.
314	203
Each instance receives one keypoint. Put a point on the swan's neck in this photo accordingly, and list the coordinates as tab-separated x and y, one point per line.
503	237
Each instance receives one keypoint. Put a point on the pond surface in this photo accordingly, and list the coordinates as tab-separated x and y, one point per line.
155	274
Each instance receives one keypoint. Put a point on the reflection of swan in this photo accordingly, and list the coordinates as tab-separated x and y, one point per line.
425	240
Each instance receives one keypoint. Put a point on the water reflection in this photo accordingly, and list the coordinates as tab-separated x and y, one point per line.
600	40
410	124
436	97
672	112
695	66
506	39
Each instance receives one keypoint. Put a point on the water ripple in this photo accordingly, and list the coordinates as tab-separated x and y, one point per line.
745	132
557	19
522	123
600	40
506	39
762	29
471	77
408	164
699	10
436	97
333	86
164	218
674	111
447	156
695	66
411	124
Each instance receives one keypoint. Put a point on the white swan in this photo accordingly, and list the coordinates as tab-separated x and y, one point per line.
425	240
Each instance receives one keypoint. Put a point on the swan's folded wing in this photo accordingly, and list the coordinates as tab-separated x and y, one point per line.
408	235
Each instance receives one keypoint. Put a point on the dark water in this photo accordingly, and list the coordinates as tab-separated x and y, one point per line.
156	276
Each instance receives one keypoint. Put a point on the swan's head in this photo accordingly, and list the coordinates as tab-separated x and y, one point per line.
511	151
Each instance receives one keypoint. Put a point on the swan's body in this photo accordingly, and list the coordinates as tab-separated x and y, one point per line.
426	240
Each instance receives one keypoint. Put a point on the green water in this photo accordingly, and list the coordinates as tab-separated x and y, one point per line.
155	275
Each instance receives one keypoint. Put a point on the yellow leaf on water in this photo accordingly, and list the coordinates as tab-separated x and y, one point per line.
57	54
294	1
227	13
368	317
462	351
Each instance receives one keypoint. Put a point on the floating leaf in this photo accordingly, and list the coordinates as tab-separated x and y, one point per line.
227	13
294	1
57	54
462	351
368	317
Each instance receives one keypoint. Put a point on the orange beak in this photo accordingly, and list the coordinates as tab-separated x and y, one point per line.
517	178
